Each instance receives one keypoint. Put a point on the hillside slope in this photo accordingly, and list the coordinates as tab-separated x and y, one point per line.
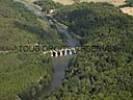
103	69
19	71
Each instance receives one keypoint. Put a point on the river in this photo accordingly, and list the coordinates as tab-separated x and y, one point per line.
60	64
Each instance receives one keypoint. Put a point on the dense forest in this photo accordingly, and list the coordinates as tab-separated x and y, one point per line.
104	67
47	5
130	2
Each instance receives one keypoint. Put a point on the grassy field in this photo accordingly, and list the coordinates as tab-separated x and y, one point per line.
20	71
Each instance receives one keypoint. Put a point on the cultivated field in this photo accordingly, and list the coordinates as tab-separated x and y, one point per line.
68	2
64	2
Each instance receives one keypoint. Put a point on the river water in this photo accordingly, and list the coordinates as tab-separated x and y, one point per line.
60	64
